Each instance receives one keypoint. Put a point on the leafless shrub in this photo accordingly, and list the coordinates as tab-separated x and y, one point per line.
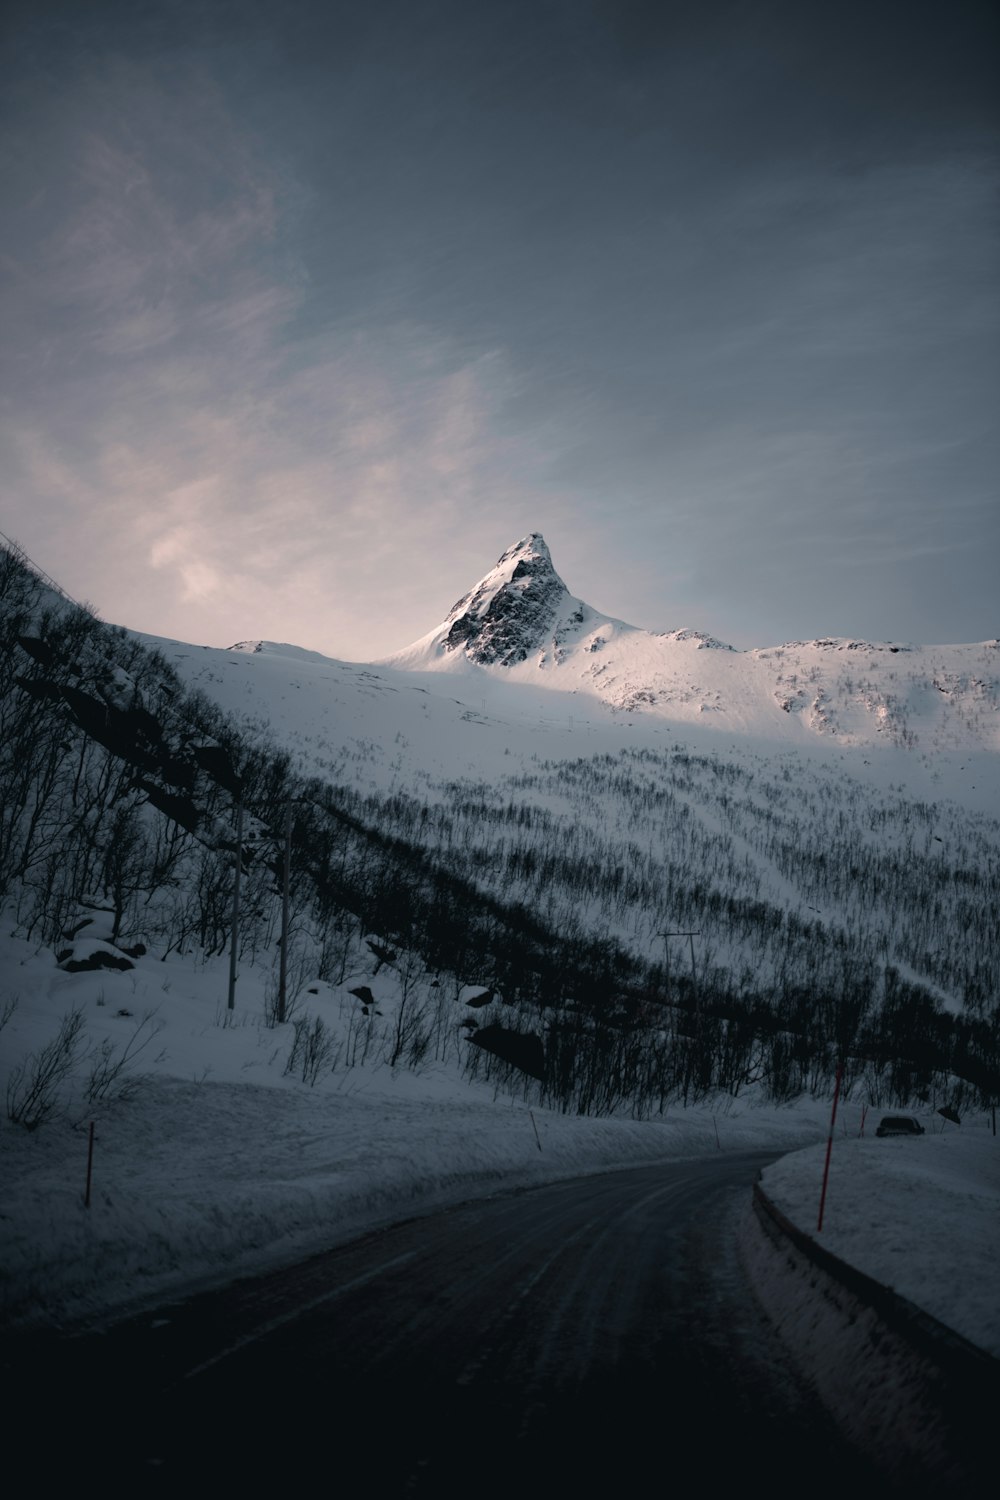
297	976
111	1075
314	1049
33	1089
234	1020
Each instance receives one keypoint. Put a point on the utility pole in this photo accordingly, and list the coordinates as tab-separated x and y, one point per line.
666	936
666	958
235	936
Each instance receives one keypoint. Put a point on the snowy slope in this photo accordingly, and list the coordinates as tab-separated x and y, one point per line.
521	668
521	623
382	726
886	847
805	796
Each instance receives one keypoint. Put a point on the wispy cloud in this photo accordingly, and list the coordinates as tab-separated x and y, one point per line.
240	400
191	427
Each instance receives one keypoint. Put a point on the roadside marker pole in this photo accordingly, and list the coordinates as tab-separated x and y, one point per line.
829	1147
534	1127
90	1164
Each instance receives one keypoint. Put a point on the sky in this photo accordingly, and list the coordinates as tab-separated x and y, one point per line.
311	311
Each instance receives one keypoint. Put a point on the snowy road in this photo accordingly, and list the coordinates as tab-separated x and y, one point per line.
561	1340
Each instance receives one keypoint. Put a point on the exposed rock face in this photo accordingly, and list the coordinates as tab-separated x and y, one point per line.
512	611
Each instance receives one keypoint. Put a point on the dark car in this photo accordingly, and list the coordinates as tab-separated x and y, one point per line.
900	1125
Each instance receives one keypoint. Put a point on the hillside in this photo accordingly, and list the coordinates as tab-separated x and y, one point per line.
474	828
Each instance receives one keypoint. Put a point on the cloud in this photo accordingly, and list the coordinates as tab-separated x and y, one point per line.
137	331
145	200
230	414
193	431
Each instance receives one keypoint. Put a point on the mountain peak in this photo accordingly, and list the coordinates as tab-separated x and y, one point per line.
529	547
511	610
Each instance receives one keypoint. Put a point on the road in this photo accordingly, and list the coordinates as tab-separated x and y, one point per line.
562	1340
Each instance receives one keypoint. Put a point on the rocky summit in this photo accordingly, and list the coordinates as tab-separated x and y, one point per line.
510	612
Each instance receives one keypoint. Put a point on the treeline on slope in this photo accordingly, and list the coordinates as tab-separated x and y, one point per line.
120	785
118	789
628	847
780	1006
645	842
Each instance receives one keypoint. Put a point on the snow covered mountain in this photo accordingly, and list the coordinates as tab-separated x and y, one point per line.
497	825
521	624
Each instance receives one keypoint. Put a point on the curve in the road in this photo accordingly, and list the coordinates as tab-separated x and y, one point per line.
594	1334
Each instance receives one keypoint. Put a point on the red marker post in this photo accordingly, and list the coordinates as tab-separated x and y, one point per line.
829	1147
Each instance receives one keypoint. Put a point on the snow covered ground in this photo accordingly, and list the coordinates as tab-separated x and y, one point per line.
220	1164
917	1214
381	727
